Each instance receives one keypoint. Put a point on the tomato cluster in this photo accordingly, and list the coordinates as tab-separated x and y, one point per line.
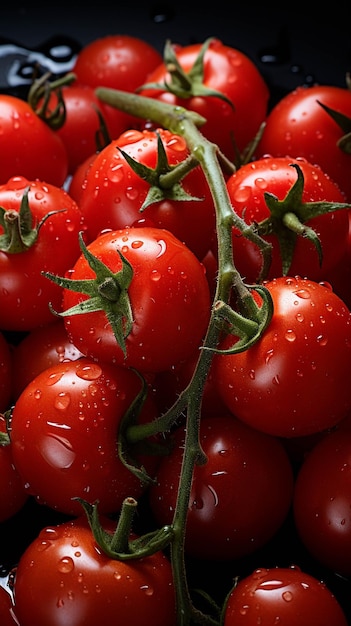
175	344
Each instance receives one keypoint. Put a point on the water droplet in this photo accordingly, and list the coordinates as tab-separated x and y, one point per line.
305	294
322	340
66	565
92	371
287	596
155	275
290	335
147	590
62	401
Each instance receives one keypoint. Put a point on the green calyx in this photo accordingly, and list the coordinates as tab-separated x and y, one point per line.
186	84
19	234
107	292
344	123
288	218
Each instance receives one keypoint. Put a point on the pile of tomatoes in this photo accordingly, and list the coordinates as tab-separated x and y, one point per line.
167	397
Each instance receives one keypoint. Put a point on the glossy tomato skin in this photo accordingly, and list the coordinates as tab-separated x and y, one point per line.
116	61
82	122
322	502
246	188
29	147
282	595
73	411
169	298
25	292
290	383
13	493
113	193
7	617
7	376
239	497
63	577
299	127
39	349
231	72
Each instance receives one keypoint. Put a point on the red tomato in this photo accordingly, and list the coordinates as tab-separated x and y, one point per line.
82	122
63	577
113	193
72	411
168	295
7	617
28	146
295	379
13	493
225	70
247	189
282	595
38	350
239	497
25	293
76	183
299	126
7	376
322	501
116	61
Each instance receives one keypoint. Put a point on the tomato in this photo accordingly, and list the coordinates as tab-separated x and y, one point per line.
117	61
295	379
322	501
38	350
247	188
7	616
13	494
28	146
241	101
75	184
299	126
168	296
72	411
25	293
63	577
113	194
82	122
282	595
6	378
239	497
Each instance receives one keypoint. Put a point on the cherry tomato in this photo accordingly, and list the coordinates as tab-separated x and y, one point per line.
322	501
247	188
282	595
73	411
299	126
116	61
295	379
25	292
168	295
82	122
28	146
230	73
13	493
113	194
239	497
38	350
7	376
63	577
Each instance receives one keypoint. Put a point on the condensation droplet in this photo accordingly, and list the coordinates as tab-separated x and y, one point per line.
66	565
92	371
290	335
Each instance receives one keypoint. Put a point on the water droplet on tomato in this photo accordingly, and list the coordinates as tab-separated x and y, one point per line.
54	378
287	596
92	371
62	401
322	340
147	590
305	294
155	275
137	243
290	335
66	565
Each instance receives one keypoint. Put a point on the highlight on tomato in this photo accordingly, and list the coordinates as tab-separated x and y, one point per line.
290	382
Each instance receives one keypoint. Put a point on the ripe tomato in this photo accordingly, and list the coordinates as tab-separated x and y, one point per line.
82	122
282	595
73	411
247	188
7	377
28	146
38	350
239	497
113	193
25	293
299	126
322	501
63	577
13	494
168	295
295	379
116	61
225	70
